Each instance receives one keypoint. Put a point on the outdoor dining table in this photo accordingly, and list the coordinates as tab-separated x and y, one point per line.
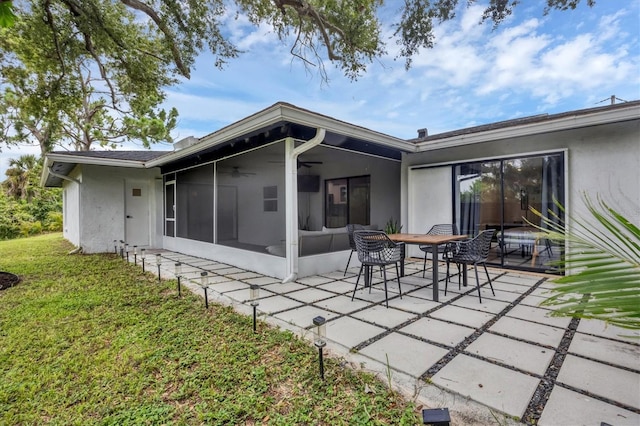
434	241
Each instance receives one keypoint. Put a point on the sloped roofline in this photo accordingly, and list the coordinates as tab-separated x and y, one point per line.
526	126
285	112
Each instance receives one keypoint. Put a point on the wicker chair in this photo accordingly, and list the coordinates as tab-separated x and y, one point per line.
471	252
351	228
376	249
440	229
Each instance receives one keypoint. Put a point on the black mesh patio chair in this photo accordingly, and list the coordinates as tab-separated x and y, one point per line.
474	252
376	249
351	228
439	229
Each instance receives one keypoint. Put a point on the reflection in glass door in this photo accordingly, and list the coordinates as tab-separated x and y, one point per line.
500	195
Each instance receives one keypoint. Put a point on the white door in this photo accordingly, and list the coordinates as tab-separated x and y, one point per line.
137	213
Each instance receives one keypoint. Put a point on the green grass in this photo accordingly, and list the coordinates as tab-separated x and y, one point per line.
89	339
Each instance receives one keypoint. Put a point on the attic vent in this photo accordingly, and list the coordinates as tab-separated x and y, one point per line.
184	143
423	133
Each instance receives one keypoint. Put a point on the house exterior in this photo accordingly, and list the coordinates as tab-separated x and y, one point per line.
273	192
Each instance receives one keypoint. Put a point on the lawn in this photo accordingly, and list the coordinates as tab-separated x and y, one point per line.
90	339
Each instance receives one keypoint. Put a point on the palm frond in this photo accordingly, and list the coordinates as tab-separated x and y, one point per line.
601	265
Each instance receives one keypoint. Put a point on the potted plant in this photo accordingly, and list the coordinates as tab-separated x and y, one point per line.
392	227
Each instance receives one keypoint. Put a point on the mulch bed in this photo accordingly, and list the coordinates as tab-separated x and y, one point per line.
7	279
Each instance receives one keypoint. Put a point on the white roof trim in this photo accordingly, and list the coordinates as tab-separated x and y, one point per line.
97	161
545	126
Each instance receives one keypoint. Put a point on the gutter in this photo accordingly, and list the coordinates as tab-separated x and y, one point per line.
59	176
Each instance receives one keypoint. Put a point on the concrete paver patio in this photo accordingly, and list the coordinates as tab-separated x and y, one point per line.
504	360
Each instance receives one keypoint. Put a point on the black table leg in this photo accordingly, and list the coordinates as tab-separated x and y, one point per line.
434	259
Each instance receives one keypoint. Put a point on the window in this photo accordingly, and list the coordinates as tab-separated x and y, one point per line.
347	200
270	197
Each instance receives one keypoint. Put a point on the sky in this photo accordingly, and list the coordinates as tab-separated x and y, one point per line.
475	74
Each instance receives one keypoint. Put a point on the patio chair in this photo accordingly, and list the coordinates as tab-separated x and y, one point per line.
376	249
439	229
474	252
351	228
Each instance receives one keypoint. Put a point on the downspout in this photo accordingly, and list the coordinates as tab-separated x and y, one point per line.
67	178
291	199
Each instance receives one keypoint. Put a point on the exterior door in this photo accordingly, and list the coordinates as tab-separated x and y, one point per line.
137	213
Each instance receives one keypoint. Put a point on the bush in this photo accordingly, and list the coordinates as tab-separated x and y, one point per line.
54	221
30	228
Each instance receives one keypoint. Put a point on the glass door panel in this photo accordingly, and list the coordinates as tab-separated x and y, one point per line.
359	202
478	197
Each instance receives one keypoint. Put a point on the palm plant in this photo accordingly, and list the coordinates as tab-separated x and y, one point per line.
19	174
601	265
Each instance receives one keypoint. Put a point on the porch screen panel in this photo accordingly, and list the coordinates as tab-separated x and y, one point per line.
169	209
194	203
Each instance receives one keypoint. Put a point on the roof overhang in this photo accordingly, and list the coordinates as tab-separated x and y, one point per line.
295	122
59	165
548	124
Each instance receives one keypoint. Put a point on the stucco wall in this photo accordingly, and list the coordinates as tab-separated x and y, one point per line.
102	209
601	160
71	208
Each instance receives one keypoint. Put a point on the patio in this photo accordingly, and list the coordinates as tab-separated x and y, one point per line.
501	361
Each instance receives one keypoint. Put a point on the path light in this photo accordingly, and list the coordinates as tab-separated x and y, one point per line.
254	295
204	282
135	255
178	272
122	249
115	246
319	335
436	417
126	249
142	253
158	262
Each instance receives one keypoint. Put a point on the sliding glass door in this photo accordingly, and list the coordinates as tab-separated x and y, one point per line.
500	195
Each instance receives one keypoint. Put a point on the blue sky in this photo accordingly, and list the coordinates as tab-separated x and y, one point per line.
530	64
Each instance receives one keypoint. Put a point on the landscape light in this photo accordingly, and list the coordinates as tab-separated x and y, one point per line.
158	262
122	249
135	255
115	246
178	272
436	417
319	335
204	282
254	295
142	254
126	250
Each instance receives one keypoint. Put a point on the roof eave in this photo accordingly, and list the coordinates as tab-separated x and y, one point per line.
553	125
284	113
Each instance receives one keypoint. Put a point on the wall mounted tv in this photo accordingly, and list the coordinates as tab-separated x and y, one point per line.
308	183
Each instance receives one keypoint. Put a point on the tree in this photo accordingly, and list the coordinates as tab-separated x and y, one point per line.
602	265
86	91
347	33
19	177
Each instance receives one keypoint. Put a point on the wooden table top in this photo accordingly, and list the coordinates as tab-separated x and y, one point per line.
425	239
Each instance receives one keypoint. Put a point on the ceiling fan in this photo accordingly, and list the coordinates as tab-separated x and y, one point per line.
236	173
305	164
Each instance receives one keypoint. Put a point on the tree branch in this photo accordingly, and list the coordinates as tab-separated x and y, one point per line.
170	37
